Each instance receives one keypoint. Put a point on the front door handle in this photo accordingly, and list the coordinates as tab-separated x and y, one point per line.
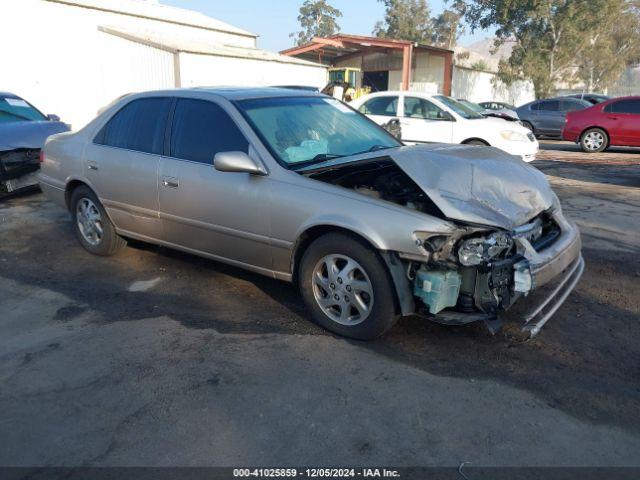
92	165
170	182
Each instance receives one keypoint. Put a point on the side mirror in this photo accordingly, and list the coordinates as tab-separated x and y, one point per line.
237	162
53	117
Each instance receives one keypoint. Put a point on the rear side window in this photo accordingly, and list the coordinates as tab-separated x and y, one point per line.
624	106
200	129
549	106
385	106
139	126
570	106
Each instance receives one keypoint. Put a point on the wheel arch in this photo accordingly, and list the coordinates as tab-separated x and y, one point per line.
73	184
477	139
396	270
312	233
70	187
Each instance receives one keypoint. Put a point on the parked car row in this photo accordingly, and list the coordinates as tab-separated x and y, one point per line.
300	187
425	118
594	121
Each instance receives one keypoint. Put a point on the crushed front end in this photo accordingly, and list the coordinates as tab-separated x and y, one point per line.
485	272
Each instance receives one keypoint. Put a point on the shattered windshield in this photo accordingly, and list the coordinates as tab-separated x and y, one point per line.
14	109
303	130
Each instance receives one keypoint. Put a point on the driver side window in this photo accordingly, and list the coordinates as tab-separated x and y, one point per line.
423	109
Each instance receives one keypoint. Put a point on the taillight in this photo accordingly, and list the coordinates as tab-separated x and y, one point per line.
41	156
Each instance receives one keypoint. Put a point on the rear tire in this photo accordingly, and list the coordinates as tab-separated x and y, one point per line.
347	288
92	226
594	140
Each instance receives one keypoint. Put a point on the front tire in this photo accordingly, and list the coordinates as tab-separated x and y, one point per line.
594	140
347	288
477	141
529	126
92	226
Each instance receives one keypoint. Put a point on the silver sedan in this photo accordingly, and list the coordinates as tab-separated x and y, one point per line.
300	187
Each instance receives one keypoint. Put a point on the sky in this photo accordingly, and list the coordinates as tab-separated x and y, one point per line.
274	20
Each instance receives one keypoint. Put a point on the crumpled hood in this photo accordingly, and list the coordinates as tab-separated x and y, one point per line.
14	135
481	185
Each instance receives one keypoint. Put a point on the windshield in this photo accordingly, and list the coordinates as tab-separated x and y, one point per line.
459	108
14	109
473	106
303	130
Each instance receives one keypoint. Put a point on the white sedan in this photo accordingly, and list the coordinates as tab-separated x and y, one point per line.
428	118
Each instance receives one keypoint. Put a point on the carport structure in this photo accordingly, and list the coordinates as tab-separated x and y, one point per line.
392	55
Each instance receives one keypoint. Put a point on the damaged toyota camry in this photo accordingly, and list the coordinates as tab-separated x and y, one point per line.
301	187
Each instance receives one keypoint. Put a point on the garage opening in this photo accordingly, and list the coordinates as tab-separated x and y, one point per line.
377	81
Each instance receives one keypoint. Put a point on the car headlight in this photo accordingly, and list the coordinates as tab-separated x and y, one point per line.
475	251
513	136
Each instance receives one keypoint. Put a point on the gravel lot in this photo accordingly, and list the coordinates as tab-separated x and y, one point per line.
155	357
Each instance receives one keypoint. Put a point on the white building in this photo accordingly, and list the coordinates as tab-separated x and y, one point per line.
71	57
475	78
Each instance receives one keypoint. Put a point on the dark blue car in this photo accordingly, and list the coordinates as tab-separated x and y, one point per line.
23	131
545	118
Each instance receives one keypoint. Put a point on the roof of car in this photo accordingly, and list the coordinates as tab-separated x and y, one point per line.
239	93
8	95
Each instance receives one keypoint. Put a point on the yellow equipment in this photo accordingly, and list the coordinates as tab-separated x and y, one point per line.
344	84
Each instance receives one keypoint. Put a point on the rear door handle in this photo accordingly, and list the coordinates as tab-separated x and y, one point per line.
611	117
92	165
170	182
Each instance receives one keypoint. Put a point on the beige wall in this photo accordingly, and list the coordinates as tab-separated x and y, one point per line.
427	74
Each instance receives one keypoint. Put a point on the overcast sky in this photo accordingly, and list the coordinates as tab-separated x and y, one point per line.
274	20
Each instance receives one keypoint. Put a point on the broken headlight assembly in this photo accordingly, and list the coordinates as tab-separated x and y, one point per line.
475	251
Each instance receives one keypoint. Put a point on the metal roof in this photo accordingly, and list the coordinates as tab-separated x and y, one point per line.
155	11
175	44
335	47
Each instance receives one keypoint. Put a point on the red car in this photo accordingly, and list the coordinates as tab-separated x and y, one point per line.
613	122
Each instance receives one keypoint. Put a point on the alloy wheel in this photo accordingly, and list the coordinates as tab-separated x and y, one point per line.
342	289
89	221
593	140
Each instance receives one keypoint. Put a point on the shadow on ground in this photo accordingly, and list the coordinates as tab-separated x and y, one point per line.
585	362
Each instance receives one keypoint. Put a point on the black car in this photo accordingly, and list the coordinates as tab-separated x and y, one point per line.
23	131
545	118
592	98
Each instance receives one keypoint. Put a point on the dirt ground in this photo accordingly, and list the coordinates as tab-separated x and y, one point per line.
155	357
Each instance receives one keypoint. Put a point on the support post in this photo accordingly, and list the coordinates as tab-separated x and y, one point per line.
407	53
448	73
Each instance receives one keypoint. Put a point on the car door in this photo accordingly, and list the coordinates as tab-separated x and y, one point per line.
223	214
623	118
550	119
381	109
122	164
423	121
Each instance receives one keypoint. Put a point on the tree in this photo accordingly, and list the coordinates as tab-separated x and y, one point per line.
612	46
548	36
405	20
447	26
317	19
